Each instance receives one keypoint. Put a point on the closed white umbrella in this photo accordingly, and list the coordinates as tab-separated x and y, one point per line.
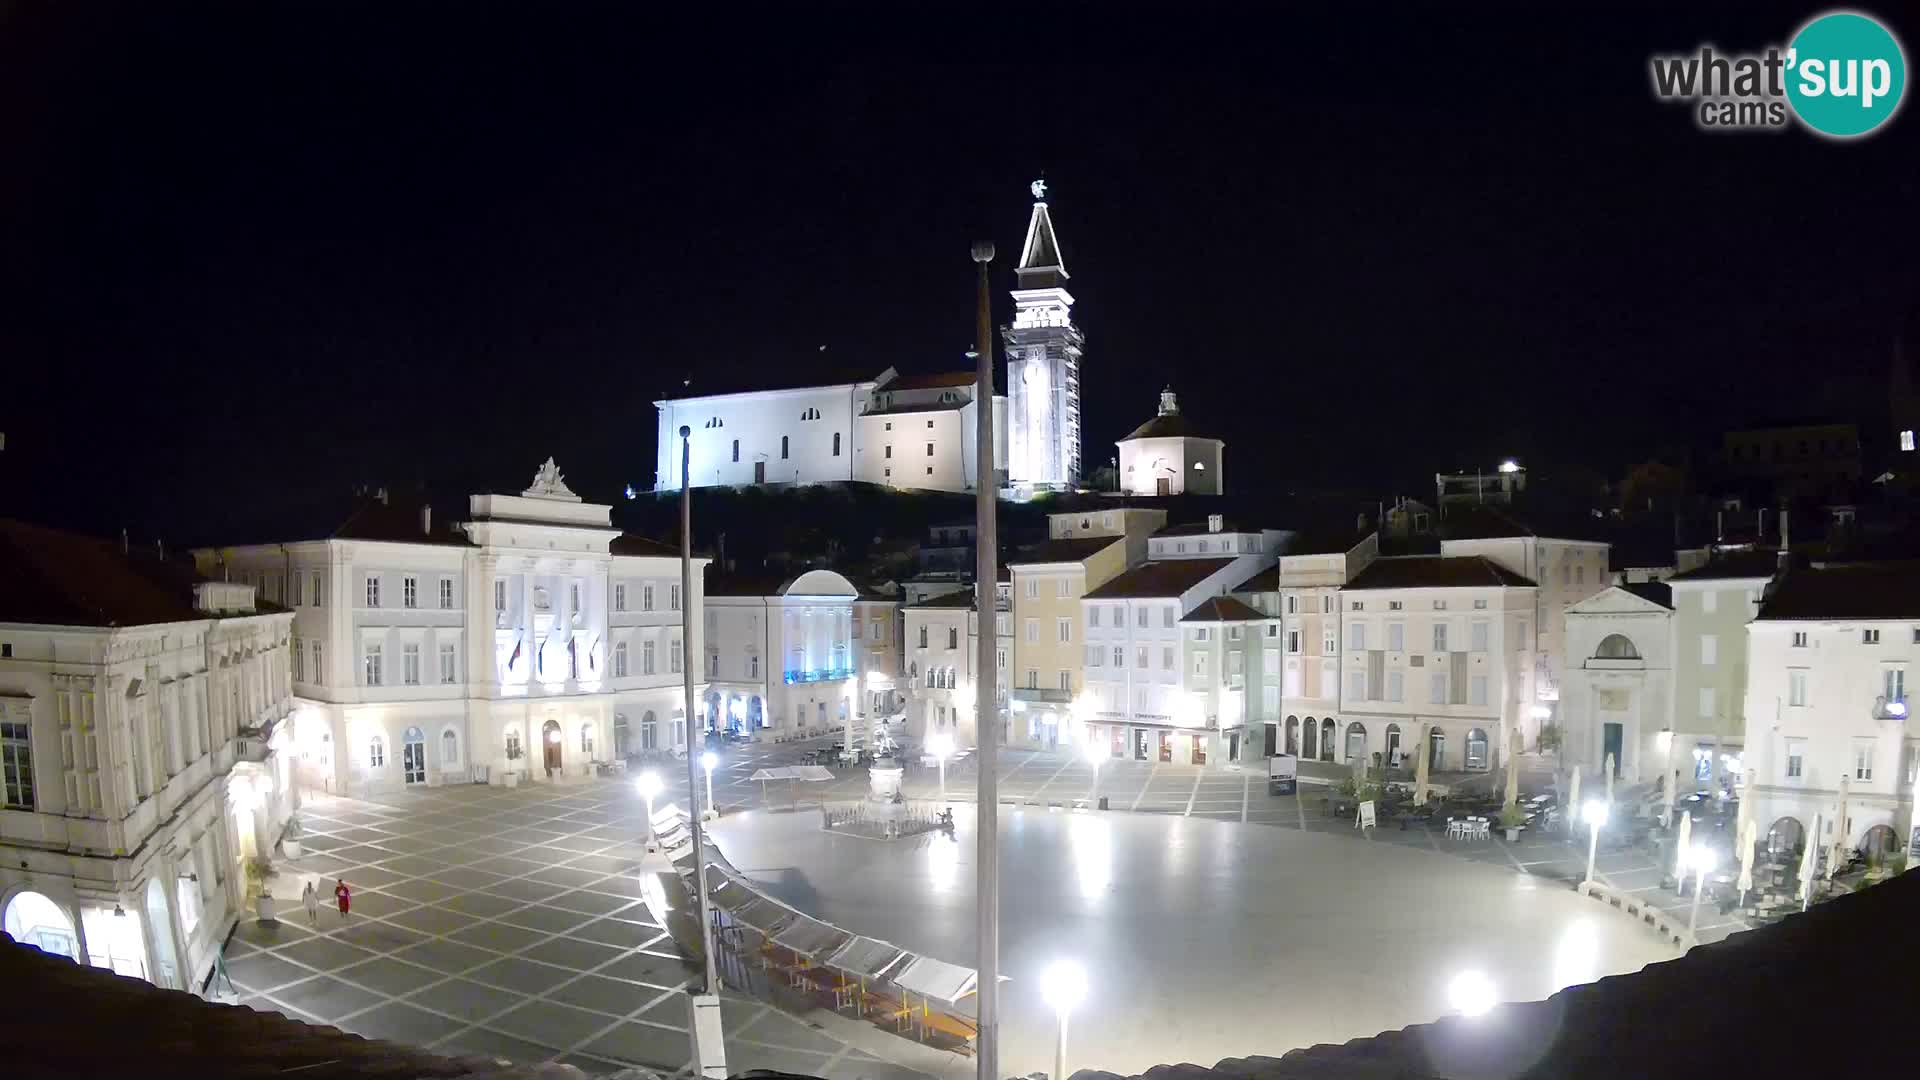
1684	838
1747	843
1513	770
1609	771
1666	796
1420	769
1572	810
1809	856
1838	855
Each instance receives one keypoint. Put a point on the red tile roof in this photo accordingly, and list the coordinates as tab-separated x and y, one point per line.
1889	590
59	578
1222	609
1164	579
1436	572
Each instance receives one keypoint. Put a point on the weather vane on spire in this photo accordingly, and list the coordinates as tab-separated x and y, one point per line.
1039	188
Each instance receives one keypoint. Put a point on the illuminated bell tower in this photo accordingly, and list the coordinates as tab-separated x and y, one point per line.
1043	363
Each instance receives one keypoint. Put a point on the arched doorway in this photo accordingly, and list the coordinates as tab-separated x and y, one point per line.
1436	750
1328	731
1356	742
449	749
550	740
620	735
33	919
1786	836
1308	738
1393	746
413	756
713	709
649	731
1878	843
1477	749
166	973
1293	735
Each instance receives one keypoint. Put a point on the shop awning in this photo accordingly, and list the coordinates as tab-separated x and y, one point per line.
937	979
865	956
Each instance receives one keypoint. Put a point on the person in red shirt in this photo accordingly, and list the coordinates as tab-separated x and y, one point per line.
342	894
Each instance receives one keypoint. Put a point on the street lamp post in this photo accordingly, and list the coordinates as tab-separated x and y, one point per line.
1596	814
1702	859
1095	754
940	744
710	761
986	483
1064	985
648	785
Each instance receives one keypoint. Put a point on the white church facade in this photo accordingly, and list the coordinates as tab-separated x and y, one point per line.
529	643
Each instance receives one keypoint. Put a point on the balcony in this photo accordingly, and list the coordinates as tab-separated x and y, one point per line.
1891	709
1036	696
814	675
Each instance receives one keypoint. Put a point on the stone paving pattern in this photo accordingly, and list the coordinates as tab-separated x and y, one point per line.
507	922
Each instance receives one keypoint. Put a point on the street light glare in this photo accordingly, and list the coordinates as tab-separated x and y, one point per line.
1702	858
648	785
1595	812
1094	751
1063	985
1471	993
940	744
709	761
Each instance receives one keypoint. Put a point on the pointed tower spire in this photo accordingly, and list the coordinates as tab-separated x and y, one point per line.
1040	264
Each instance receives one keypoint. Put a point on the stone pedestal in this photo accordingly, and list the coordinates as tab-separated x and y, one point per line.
883	778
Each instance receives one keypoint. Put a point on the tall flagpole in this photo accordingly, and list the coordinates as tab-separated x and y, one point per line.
986	680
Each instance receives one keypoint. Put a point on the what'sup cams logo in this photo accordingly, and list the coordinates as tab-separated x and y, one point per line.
1842	76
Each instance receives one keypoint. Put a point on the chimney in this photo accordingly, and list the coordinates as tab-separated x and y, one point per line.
1719	525
426	520
1215	523
1786	551
1760	534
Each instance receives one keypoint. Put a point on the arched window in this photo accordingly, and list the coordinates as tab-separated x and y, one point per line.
514	751
1616	647
1309	731
783	448
1393	746
32	919
620	735
1878	843
449	747
376	753
586	739
1785	836
1293	735
1477	749
1327	731
649	731
619	659
836	444
1356	742
736	449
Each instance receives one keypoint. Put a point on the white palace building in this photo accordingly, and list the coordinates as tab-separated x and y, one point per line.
904	431
529	643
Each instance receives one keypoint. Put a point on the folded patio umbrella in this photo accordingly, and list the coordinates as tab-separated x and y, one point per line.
1609	771
1513	769
1666	796
1684	837
1420	768
1809	856
1573	800
1838	856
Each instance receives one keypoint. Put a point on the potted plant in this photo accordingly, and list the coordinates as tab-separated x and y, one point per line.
259	870
1511	819
290	840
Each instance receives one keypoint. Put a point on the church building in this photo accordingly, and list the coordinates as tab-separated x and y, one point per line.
1043	363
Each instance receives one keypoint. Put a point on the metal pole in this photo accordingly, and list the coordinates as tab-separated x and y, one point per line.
710	807
942	758
1593	847
686	676
986	572
1693	919
1060	1049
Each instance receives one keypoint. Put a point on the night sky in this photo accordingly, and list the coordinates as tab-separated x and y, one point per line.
251	258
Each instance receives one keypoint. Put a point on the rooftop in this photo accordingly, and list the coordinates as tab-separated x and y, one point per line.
1654	592
1479	522
1073	549
635	544
1437	572
1165	579
938	381
1169	426
1222	609
1889	590
1201	528
55	578
1761	563
1267	580
397	521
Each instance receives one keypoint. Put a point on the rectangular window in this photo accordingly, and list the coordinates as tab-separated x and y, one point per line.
1480	604
1166	658
1033	631
1438	688
673	654
319	661
673	597
1063	587
1032	588
619	598
1797	686
1869	637
446	594
16	766
1167	616
1439	605
646	597
953	637
1863	759
299	660
1356	686
1709	650
1293	605
1396	686
372	665
1033	679
1476	690
1396	637
1293	641
1200	665
373	591
1357	637
1799	639
1141	617
646	658
1482	631
1439	637
1709	601
1093	615
499	594
318	597
736	449
447	672
1894	684
1394	605
1329	642
929	449
1706	703
410	591
410	664
1119	656
1066	681
1140	658
1796	759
